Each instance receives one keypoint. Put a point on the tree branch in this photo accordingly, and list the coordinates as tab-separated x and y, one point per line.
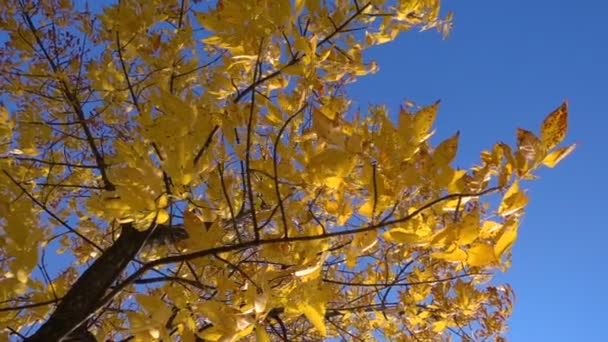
256	243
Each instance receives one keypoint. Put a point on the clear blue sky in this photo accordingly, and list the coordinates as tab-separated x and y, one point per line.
507	64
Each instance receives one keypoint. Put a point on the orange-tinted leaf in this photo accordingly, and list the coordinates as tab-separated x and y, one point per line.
528	144
554	127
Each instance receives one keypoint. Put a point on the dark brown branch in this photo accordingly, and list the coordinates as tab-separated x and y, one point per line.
185	73
59	185
50	162
272	75
200	152
237	269
375	186
82	300
220	170
413	283
29	306
126	73
257	70
277	141
190	282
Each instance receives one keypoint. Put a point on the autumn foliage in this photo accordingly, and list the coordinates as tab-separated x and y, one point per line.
189	170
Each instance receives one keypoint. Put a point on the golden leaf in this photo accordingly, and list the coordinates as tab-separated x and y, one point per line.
505	242
163	216
556	156
260	334
480	254
452	254
440	326
513	200
316	315
403	236
330	166
469	228
423	121
489	229
446	151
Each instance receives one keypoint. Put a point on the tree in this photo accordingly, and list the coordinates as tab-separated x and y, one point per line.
184	169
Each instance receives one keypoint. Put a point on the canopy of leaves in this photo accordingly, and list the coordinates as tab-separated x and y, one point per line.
188	170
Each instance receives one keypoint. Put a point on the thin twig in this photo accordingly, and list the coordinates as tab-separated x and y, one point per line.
220	170
257	71
29	306
52	214
257	243
276	172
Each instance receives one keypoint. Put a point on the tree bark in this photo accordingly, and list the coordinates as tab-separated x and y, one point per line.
83	297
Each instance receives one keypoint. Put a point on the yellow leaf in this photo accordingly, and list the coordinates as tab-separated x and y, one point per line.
513	200
211	334
316	315
163	216
6	126
489	229
480	254
556	156
554	127
299	5
242	332
351	258
469	228
405	125
528	144
158	310
458	181
367	207
445	236
330	166
22	276
452	254
260	301
206	234
186	179
446	151
154	333
513	189
505	242
260	334
423	121
452	205
327	129
400	235
163	201
439	326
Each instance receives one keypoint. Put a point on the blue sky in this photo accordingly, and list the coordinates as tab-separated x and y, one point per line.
507	64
